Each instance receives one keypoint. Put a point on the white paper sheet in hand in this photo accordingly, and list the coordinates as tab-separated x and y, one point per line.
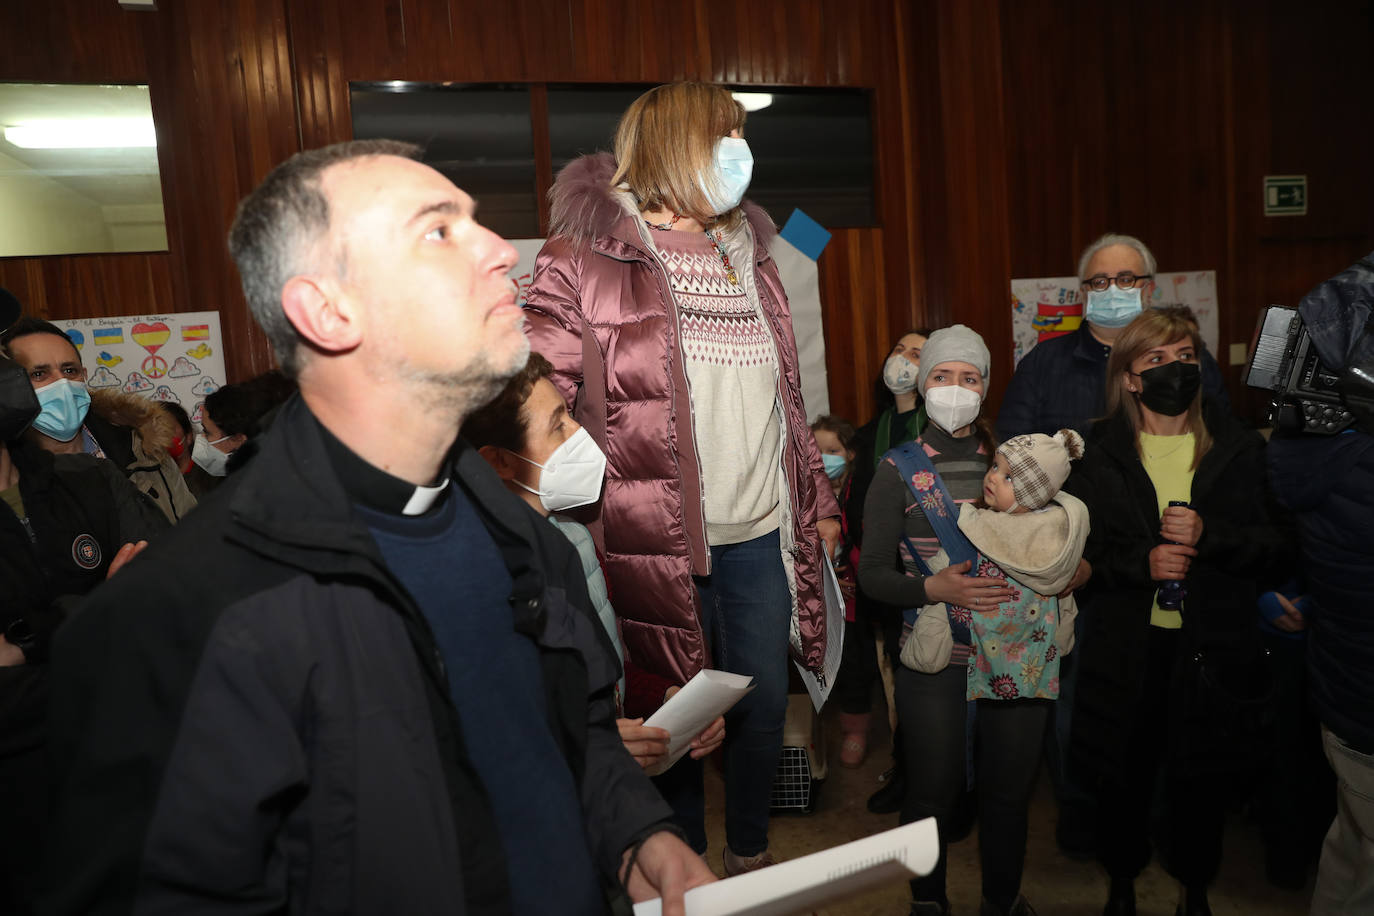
707	696
805	884
834	640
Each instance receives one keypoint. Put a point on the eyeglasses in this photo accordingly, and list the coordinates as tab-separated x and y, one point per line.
1123	280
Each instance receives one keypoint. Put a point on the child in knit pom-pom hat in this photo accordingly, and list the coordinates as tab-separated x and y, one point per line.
1032	535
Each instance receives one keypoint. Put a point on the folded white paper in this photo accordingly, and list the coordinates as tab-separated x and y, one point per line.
832	875
707	696
819	687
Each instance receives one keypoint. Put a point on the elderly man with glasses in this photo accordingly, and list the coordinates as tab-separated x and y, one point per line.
1061	382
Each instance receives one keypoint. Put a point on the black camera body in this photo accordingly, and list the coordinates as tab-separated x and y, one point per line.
1307	396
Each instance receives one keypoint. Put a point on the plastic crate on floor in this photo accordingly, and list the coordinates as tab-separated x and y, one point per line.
801	767
792	786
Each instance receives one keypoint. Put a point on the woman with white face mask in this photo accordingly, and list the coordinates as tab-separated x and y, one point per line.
232	415
901	417
903	514
662	312
547	459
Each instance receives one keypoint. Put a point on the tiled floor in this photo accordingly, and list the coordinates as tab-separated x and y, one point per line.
1053	883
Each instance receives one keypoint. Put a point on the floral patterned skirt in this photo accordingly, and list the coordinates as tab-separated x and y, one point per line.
1013	652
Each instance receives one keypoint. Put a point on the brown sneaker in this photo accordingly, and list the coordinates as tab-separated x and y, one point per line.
738	865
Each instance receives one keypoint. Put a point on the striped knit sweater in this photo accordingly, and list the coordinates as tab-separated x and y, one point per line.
732	368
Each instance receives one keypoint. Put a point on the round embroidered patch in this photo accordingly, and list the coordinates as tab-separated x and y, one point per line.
86	551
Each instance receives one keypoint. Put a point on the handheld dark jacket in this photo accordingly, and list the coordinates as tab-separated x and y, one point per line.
1244	544
254	716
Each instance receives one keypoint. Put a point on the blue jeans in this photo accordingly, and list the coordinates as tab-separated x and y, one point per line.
746	613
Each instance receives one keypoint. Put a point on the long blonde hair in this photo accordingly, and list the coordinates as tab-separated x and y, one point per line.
1154	328
666	138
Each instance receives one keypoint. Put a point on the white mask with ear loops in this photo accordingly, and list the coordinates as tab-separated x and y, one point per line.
572	475
951	407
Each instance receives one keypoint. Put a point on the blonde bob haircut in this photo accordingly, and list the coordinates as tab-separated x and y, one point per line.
667	138
1154	328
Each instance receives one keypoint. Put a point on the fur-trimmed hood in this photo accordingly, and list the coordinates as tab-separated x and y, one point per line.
584	206
154	426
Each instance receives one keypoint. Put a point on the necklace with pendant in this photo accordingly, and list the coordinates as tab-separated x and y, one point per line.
724	258
664	227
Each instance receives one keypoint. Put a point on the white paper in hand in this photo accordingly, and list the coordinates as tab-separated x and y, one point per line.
819	687
807	884
707	696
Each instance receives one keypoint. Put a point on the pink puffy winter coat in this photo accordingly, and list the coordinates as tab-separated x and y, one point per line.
600	310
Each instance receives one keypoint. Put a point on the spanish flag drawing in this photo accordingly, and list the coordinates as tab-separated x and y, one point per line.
195	332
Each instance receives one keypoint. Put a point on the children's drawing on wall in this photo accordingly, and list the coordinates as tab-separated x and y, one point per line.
1051	306
174	357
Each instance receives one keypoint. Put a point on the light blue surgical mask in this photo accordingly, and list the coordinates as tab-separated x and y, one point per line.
1113	307
62	409
834	465
725	181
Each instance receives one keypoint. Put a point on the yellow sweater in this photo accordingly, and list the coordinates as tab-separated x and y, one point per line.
1169	462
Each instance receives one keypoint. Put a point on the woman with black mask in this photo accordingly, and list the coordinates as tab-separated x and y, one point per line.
1173	677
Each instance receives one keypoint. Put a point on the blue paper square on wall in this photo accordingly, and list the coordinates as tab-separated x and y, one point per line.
805	234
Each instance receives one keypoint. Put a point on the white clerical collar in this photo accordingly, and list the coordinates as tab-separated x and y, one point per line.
423	498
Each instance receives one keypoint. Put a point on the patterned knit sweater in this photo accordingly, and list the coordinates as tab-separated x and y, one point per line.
732	369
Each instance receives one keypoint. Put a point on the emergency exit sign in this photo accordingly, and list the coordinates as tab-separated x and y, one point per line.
1285	195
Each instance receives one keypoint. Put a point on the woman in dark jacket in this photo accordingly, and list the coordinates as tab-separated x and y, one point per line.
1161	688
901	417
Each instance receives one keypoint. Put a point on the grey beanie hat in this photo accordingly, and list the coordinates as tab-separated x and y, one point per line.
956	343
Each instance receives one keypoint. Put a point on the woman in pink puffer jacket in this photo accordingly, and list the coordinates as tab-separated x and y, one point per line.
662	312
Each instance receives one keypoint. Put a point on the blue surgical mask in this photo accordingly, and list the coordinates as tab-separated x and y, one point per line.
62	409
834	465
1113	307
725	181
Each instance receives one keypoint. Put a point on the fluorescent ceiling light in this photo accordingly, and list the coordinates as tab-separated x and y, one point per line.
83	133
753	101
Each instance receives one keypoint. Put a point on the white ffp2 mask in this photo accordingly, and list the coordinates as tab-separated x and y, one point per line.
951	407
571	476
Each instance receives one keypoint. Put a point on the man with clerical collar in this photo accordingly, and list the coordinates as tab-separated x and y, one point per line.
363	677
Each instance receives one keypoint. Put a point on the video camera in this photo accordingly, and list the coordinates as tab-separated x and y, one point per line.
1307	396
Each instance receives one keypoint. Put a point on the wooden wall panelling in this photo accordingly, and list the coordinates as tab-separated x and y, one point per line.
72	41
970	181
323	46
90	285
223	97
897	296
856	319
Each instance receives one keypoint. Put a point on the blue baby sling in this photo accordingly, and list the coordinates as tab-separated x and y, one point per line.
939	508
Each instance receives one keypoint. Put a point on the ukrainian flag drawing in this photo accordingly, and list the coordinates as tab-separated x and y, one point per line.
104	337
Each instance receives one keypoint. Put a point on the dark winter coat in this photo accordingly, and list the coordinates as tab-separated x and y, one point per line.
601	310
254	716
1243	545
1328	482
78	512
